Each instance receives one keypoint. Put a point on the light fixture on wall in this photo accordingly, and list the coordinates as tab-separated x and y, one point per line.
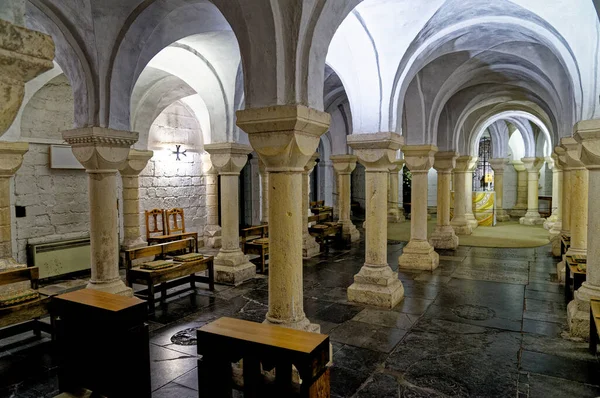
488	180
178	152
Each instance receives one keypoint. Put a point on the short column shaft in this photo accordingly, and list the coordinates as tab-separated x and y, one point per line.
443	192
230	220
579	211
418	219
376	198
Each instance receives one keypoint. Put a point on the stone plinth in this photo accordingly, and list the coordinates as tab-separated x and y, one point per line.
212	229
376	283
232	267
443	236
344	165
102	152
533	166
462	222
310	247
394	213
285	137
520	208
418	253
498	165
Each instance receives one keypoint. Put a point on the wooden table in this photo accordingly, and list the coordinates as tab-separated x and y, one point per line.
227	340
102	343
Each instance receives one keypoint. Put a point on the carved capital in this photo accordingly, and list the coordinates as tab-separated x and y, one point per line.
312	162
498	165
445	161
397	165
533	165
518	165
561	156
587	135
344	164
465	164
376	151
419	158
572	157
99	148
11	157
136	162
228	157
286	136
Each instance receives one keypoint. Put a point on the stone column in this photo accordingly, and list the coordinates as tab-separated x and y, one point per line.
102	152
344	165
498	165
376	284
285	137
418	253
533	166
394	214
555	217
264	192
520	208
443	236
212	229
566	213
310	247
232	267
463	195
130	171
587	135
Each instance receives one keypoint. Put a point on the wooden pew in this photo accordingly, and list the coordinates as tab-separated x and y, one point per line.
261	346
255	240
180	273
325	230
577	269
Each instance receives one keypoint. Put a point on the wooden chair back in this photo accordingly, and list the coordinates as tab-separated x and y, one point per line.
256	232
19	275
318	203
175	221
153	225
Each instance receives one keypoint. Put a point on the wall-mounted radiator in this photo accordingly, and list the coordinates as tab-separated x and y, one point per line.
59	258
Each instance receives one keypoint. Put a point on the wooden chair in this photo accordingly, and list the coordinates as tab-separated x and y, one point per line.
255	240
172	227
153	226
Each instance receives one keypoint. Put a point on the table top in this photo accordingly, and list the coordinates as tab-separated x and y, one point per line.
100	299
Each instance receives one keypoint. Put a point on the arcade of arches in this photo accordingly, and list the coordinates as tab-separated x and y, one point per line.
482	117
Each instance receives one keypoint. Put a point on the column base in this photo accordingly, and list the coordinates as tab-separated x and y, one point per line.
461	227
349	231
419	255
472	221
8	264
443	237
578	310
531	218
212	236
517	212
233	267
394	216
115	286
554	237
303	324
378	286
310	247
550	221
560	271
130	244
502	215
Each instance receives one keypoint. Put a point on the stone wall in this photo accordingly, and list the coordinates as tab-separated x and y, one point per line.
510	187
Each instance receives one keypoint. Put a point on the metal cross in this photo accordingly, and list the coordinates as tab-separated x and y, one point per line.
177	152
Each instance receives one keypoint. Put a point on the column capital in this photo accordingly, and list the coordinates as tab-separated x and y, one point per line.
587	135
136	162
228	157
419	158
465	164
561	156
498	165
532	165
556	165
285	136
550	162
518	165
312	162
11	157
445	161
397	165
24	54
376	151
344	164
573	155
99	148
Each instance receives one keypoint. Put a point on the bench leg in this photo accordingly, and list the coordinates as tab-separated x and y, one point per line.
37	331
163	293
211	276
192	282
150	297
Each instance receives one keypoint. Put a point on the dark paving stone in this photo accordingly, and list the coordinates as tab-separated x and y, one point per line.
548	307
422	290
558	347
550	365
189	380
313	306
359	359
490	252
175	390
474	315
167	365
413	305
345	382
252	311
543	387
338	313
373	337
381	385
386	318
546	287
545	296
545	317
429	277
549	329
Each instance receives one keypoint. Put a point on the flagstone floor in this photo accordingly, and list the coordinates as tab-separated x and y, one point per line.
486	323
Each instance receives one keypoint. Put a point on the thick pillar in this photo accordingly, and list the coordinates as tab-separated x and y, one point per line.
394	213
520	208
344	165
376	283
565	230
557	178
212	229
285	137
232	267
102	152
310	247
463	195
130	171
418	253
264	192
443	236
498	166
533	166
585	187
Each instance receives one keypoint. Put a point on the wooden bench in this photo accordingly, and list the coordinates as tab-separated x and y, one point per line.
178	274
577	269
261	346
325	230
594	324
255	240
171	226
25	315
318	203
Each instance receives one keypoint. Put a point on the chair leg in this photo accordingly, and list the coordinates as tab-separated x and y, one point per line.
192	282
37	331
151	308
211	276
163	293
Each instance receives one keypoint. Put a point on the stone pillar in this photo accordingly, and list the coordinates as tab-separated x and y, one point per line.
212	229
463	195
418	253
130	171
566	212
587	137
102	152
285	137
310	247
264	192
394	214
232	267
520	208
376	284
498	165
443	236
533	166
344	165
555	217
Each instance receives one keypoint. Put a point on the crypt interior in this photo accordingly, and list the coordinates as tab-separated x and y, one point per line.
397	196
